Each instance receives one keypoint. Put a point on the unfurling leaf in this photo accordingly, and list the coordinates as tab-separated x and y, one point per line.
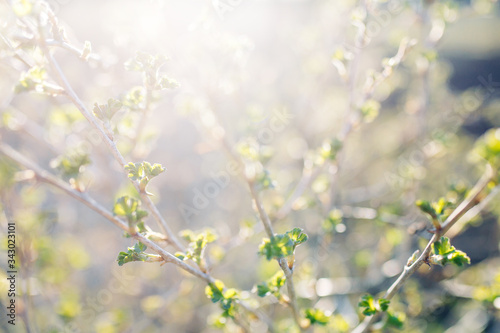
317	316
444	252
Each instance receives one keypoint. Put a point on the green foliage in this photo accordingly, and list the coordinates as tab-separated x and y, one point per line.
436	210
22	7
215	291
395	320
369	110
339	323
217	62
488	147
317	316
277	247
135	98
370	306
143	172
135	253
272	286
31	80
150	66
35	80
264	181
197	244
130	208
334	218
226	298
105	112
7	172
488	292
383	304
249	149
444	252
71	164
297	236
330	149
282	245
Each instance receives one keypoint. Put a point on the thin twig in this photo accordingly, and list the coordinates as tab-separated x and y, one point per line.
69	47
108	140
44	176
473	212
266	222
468	203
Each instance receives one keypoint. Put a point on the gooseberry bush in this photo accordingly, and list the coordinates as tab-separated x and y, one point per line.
310	172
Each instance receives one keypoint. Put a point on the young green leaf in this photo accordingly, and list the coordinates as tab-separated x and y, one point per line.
129	207
105	112
367	303
263	289
71	164
395	319
330	149
272	286
297	236
197	243
277	247
369	110
383	304
428	208
316	316
488	147
136	253
443	246
143	172
214	291
444	252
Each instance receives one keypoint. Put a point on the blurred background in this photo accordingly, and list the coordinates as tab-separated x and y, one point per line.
405	87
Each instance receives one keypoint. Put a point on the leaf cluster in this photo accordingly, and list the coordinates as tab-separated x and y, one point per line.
143	172
329	149
272	286
197	244
135	253
488	147
150	66
317	316
71	164
444	253
130	208
438	211
226	298
105	112
282	245
370	306
35	80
